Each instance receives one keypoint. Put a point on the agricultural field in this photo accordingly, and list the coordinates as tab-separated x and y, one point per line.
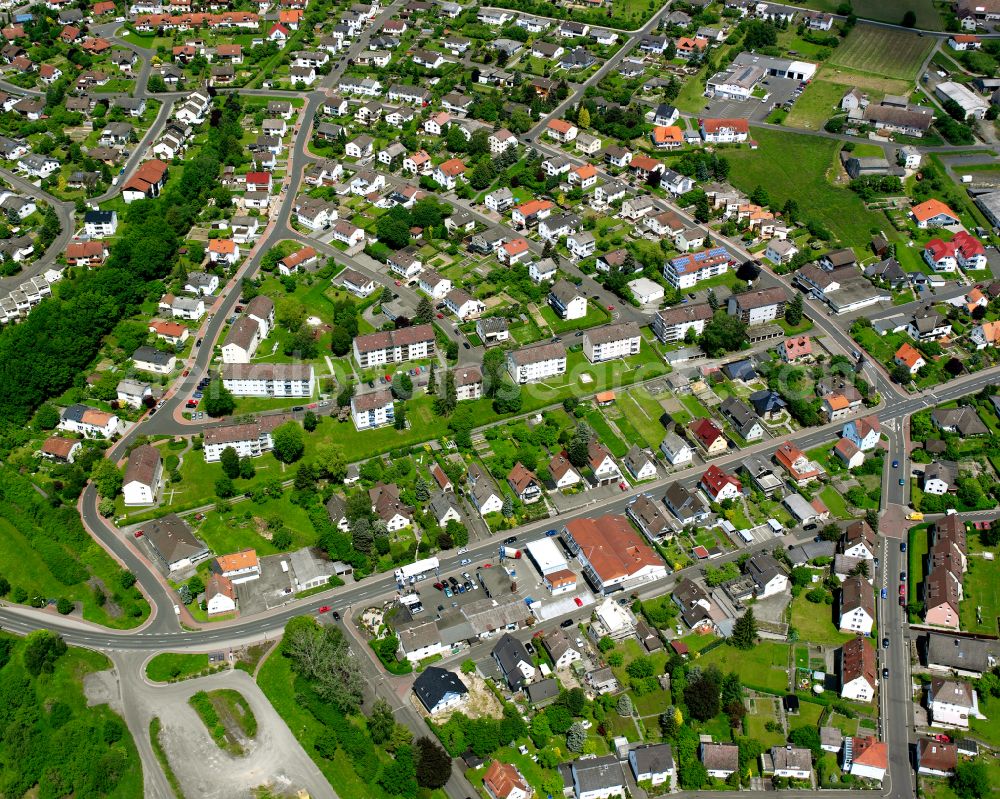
892	11
792	165
878	51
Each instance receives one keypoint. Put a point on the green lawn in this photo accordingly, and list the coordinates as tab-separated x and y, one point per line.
814	623
982	589
809	714
175	665
605	435
795	165
233	531
835	502
879	51
694	406
596	315
765	667
763	712
818	103
637	414
917	553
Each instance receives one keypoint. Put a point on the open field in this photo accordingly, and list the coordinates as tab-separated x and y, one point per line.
875	86
982	590
794	165
817	104
885	10
765	667
890	53
175	665
814	623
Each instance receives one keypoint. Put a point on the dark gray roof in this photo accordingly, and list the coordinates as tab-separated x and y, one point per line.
652	759
508	652
960	653
543	690
172	539
434	684
599	773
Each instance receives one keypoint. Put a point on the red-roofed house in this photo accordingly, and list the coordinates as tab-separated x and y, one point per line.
667	137
721	131
561	130
719	485
964	41
794	461
933	213
220	596
259	181
514	251
448	173
869	758
86	253
223	251
504	781
171	332
795	348
708	436
909	357
849	453
864	432
688	47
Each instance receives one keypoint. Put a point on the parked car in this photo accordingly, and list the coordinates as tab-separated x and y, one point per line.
567	623
448	592
579	602
551	533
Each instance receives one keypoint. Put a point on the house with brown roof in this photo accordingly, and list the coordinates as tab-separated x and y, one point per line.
220	595
387	505
525	484
858	670
564	474
602	463
142	476
857	606
869	758
935	758
720	760
61	449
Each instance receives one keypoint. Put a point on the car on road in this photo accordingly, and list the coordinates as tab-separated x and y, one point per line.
399	282
902	546
336	616
611	307
324	609
902	601
902	577
885	643
885	674
466	345
895	464
902	482
465	562
884	593
511	540
577	334
551	533
191	403
298	408
566	623
198	343
623	485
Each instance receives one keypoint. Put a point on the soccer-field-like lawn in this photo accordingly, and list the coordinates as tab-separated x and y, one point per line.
795	165
879	51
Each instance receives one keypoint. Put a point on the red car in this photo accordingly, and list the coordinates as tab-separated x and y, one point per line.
487	565
611	307
399	282
942	738
138	533
191	403
579	602
324	609
902	590
623	485
440	316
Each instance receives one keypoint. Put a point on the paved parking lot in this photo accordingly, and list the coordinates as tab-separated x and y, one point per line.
780	89
270	590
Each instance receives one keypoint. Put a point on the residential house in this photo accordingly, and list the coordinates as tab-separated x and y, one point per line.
440	691
143	476
858	670
720	485
857	606
514	662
